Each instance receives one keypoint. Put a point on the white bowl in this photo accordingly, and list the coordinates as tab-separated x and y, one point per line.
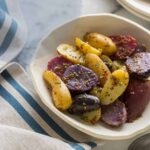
139	8
106	24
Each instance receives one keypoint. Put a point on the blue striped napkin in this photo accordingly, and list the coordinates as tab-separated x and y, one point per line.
28	122
11	25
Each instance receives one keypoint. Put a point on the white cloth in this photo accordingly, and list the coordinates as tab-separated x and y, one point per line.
18	139
13	31
26	123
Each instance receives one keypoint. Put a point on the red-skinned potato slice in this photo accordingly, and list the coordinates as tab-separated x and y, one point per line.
58	65
126	45
136	98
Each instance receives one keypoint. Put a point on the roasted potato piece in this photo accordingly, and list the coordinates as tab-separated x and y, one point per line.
114	114
60	93
114	86
59	65
84	103
71	53
92	116
126	45
136	98
139	64
86	48
79	78
101	41
93	62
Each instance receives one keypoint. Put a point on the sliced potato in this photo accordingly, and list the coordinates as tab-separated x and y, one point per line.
114	114
92	116
83	103
60	93
136	98
93	62
86	48
71	53
101	41
114	86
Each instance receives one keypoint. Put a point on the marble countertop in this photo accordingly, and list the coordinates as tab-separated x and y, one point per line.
42	16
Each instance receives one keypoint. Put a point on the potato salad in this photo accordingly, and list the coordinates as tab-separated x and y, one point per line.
100	78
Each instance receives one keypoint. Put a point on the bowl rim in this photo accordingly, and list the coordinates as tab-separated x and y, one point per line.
67	118
134	11
53	29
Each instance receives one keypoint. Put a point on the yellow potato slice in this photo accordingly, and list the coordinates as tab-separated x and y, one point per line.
92	117
71	53
86	48
114	86
60	94
95	63
101	41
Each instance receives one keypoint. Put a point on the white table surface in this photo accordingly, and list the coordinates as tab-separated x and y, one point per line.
43	15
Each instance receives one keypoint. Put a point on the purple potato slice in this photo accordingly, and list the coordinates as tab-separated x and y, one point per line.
83	103
139	64
86	99
79	78
58	65
114	114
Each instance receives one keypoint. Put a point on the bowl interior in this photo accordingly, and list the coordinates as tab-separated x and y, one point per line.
104	24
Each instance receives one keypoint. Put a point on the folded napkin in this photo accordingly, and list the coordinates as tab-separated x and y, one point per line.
27	124
12	31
